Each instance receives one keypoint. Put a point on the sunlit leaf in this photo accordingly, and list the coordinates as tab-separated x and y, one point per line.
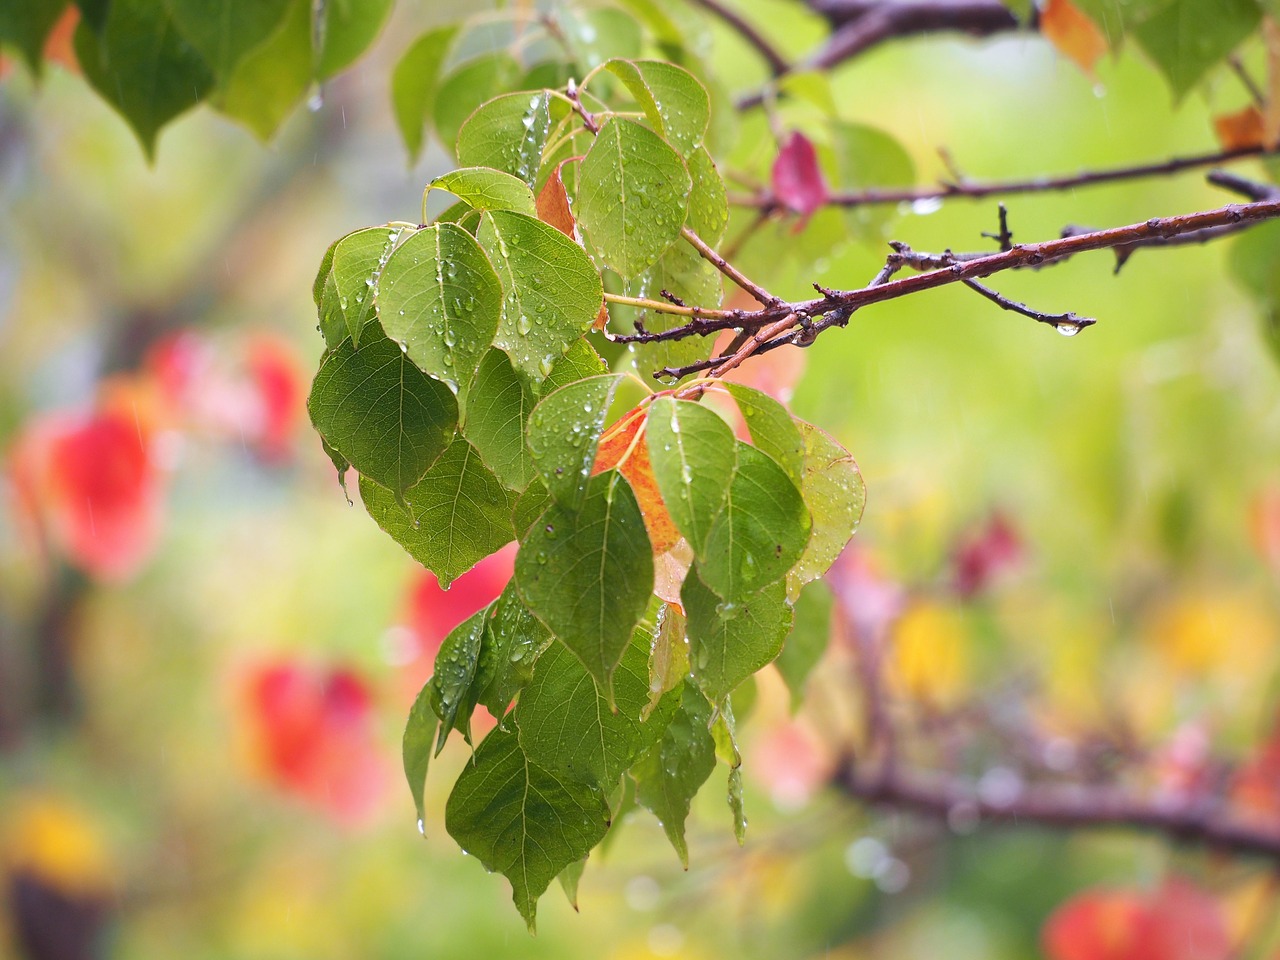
835	494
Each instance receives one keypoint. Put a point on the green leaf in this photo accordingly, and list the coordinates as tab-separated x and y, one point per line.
736	805
566	724
564	432
440	299
587	574
466	88
836	496
673	101
224	31
569	878
693	453
708	203
761	532
531	505
483	188
459	513
324	290
514	640
340	464
497	407
728	642
1186	38
415	749
681	272
94	13
808	640
508	133
453	684
868	157
414	82
269	82
552	292
773	431
26	24
142	67
579	362
668	654
344	29
671	773
633	196
596	35
358	261
522	821
386	417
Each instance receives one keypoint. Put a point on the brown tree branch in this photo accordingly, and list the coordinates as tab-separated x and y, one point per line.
778	64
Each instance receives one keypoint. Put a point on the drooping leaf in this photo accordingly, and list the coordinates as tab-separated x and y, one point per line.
522	821
674	102
414	82
508	133
514	640
466	87
760	533
460	513
416	748
1185	40
271	80
387	418
671	773
358	260
737	805
567	725
587	573
484	188
808	640
497	407
26	24
343	30
340	464
836	496
773	431
564	431
141	65
453	692
224	31
693	453
669	653
798	182
633	196
440	299
551	289
728	642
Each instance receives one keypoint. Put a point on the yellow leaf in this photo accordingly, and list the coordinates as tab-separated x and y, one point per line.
930	655
58	844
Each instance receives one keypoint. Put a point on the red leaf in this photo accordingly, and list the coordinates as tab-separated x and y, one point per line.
1177	922
313	729
90	486
553	202
985	554
798	182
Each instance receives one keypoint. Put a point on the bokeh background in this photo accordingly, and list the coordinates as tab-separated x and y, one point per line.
199	731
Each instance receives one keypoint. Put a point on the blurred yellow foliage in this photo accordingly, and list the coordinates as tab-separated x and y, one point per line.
929	659
59	844
1229	632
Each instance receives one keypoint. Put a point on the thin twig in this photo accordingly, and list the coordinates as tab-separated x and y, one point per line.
1065	323
778	64
729	270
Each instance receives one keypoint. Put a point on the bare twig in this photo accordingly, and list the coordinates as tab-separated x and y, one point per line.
1065	323
778	64
762	295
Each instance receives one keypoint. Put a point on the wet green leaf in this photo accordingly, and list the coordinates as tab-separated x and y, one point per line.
497	407
26	24
465	88
808	640
693	453
223	32
1185	38
564	432
483	188
673	101
343	30
508	133
453	692
835	494
416	749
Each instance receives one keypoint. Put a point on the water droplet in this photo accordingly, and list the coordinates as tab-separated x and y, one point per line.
422	828
1067	329
524	325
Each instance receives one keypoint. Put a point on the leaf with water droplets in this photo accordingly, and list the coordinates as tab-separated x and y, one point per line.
579	362
724	732
681	272
494	413
551	290
564	431
386	417
760	533
671	773
773	430
693	453
324	291
836	495
668	654
509	133
728	642
521	820
483	188
514	640
416	747
633	196
708	203
531	505
465	90
673	101
414	83
587	573
440	299
452	685
566	723
358	260
459	513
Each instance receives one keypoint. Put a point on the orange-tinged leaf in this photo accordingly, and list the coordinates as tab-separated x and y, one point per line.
1241	129
553	202
601	319
1271	120
622	447
1072	33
